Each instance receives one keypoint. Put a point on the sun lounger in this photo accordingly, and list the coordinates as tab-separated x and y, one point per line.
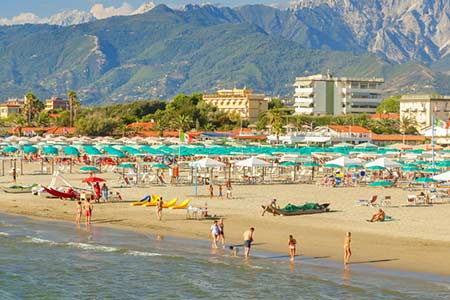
365	202
386	201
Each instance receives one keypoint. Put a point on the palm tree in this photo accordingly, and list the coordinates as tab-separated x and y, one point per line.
31	108
275	119
72	96
182	122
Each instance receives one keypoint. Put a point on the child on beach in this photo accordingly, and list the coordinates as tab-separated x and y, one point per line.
79	212
234	251
292	243
347	250
211	191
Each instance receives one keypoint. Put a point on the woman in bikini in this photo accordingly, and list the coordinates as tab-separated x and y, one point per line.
292	243
88	207
347	250
79	212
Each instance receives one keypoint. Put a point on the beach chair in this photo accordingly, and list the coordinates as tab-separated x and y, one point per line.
412	199
386	201
365	202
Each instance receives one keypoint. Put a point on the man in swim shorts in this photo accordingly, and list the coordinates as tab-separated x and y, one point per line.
248	239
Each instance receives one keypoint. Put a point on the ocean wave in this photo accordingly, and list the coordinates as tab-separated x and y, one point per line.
92	247
36	240
141	253
4	234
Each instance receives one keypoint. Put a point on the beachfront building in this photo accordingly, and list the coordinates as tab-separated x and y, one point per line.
11	107
420	109
324	94
241	101
56	103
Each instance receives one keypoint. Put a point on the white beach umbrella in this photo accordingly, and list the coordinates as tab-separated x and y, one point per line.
253	162
383	162
442	177
343	162
207	163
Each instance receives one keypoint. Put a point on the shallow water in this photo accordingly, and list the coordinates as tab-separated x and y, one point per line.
56	260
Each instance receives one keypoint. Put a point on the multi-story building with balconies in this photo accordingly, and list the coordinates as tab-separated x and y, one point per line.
240	101
420	108
324	94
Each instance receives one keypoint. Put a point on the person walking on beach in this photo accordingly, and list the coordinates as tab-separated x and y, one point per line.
219	194
88	207
105	192
292	243
159	208
79	212
214	232
221	232
228	186
248	239
14	174
347	250
211	191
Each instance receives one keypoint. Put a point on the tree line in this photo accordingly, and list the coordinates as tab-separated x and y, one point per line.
191	112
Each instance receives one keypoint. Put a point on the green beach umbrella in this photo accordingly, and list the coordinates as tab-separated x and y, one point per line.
375	168
89	169
10	149
287	164
432	170
425	180
69	150
355	166
443	163
410	168
30	149
160	166
50	150
125	166
381	183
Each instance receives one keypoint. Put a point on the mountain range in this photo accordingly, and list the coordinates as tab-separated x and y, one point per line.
164	51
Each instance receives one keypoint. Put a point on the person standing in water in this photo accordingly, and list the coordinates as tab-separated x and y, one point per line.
347	250
79	212
248	239
88	207
159	208
221	232
214	232
292	243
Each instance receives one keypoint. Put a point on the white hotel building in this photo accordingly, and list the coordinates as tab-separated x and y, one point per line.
324	94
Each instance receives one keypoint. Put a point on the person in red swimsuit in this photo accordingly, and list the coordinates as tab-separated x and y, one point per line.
88	207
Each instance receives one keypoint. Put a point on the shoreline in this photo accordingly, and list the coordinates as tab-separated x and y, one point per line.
404	255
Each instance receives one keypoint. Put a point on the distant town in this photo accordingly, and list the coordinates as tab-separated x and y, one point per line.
324	110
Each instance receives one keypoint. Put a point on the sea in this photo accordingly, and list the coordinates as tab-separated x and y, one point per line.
57	260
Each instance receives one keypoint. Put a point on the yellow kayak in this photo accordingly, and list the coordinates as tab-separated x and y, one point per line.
139	203
182	205
151	203
170	203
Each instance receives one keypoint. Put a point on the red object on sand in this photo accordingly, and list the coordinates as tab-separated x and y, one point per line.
93	179
56	193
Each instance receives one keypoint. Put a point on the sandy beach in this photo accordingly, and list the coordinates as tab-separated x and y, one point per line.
416	240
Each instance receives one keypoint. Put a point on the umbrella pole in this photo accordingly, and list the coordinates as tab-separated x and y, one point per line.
21	166
3	167
53	165
42	165
70	165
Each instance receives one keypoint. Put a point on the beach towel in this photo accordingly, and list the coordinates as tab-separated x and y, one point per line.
386	219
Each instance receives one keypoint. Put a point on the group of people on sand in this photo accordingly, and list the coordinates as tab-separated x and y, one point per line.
220	190
88	207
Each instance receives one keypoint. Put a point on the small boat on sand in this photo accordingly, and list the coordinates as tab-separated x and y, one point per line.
292	210
18	189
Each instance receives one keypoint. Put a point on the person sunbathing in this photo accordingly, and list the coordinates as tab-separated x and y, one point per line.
379	216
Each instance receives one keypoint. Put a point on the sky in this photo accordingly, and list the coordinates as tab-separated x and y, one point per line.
46	8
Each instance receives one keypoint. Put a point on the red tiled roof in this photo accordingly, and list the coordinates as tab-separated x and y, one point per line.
60	130
144	125
350	129
397	137
155	133
15	130
385	116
